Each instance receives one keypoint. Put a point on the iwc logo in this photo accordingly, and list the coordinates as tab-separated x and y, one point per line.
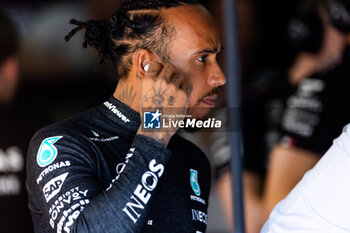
47	152
194	182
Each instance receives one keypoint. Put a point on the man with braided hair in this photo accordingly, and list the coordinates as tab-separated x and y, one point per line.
103	171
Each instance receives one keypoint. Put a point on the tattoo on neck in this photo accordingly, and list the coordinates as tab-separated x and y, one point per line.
127	95
137	75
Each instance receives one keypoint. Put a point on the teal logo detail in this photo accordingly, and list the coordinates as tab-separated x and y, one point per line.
47	152
194	182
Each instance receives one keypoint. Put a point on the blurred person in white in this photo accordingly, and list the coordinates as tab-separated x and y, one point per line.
320	202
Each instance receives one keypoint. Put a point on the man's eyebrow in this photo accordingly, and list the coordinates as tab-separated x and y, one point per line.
213	50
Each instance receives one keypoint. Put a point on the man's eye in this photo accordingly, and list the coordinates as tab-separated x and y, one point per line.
202	58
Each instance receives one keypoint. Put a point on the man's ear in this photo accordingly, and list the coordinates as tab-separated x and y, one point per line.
142	60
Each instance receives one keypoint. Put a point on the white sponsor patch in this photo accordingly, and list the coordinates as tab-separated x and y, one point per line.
54	186
70	216
116	111
142	193
104	139
198	199
51	168
62	201
200	216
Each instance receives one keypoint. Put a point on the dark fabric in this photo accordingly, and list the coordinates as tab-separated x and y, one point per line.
262	109
18	123
317	111
104	178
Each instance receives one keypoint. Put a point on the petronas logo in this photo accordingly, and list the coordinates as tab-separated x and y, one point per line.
194	182
47	152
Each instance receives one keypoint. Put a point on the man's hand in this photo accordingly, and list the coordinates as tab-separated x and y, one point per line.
167	91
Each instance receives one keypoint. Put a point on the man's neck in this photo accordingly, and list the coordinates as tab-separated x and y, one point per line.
128	91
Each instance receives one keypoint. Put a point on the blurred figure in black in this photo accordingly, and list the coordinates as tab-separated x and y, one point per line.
317	110
19	119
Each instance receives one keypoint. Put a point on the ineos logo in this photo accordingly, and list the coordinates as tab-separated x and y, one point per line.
142	193
149	180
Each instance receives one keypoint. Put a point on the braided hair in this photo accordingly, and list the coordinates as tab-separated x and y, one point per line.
136	24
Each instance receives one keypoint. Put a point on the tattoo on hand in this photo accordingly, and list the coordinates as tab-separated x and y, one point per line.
171	101
158	97
188	89
176	77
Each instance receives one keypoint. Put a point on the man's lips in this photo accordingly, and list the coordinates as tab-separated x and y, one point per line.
210	100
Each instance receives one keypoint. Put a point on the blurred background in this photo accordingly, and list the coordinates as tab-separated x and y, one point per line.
57	79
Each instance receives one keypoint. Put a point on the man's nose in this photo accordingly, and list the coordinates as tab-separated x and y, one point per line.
217	79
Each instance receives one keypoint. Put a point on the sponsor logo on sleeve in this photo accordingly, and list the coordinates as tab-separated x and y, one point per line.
98	138
199	216
47	151
143	192
95	134
52	167
54	186
197	199
150	222
121	166
59	206
194	182
116	111
70	216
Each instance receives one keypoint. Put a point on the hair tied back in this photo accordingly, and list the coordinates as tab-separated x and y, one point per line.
97	35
